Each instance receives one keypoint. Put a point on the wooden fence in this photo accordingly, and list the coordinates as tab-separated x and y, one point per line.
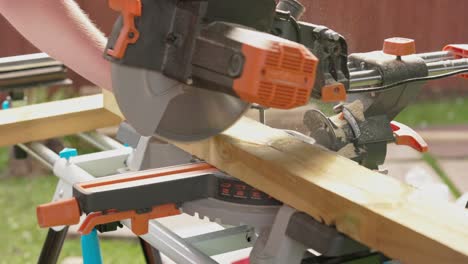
365	23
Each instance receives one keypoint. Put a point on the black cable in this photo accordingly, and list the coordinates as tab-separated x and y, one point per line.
395	84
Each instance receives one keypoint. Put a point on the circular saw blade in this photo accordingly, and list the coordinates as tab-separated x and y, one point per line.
157	105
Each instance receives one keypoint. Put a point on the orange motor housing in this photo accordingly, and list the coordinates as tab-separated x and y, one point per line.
281	75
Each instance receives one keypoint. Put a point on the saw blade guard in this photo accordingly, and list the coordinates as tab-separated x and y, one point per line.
157	105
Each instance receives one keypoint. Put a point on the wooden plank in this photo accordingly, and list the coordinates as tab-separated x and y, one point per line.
370	207
54	119
110	103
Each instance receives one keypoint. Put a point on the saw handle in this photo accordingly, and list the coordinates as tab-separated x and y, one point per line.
129	34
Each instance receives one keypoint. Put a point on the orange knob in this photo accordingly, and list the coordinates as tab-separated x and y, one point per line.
399	46
62	212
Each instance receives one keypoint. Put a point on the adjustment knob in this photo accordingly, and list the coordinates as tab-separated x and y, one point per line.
399	46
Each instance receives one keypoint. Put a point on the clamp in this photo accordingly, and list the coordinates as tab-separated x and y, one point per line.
142	196
460	51
90	200
405	135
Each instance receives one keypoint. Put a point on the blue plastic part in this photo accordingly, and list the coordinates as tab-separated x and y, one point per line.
67	153
6	105
90	248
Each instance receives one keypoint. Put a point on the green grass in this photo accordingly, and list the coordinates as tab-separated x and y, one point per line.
4	153
432	161
444	112
423	114
22	238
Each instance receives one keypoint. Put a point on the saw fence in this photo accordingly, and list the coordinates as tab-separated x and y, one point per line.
369	207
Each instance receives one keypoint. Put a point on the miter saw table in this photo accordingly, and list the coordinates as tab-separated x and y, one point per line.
118	186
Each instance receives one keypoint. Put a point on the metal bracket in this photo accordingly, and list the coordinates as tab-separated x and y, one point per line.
274	247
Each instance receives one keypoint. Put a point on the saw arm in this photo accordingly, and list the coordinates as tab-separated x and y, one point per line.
188	70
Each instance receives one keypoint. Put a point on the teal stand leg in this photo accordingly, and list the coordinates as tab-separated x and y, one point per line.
90	248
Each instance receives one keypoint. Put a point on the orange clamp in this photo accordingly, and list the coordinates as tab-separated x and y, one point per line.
129	33
399	46
404	135
63	212
68	212
139	220
460	51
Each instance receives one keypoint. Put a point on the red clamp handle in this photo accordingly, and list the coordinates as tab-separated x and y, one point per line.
405	135
460	51
242	261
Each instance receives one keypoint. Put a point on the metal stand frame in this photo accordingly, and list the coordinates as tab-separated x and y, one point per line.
287	239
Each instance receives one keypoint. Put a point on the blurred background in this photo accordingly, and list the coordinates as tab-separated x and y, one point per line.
440	114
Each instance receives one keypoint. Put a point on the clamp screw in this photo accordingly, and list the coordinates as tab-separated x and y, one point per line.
67	153
399	47
174	39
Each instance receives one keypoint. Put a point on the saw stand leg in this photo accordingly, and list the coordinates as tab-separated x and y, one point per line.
52	246
273	246
293	233
152	255
91	249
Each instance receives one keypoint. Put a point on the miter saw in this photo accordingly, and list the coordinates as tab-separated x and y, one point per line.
196	66
186	70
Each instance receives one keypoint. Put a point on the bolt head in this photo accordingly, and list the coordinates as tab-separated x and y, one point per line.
236	64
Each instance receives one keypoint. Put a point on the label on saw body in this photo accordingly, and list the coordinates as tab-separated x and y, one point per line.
232	190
